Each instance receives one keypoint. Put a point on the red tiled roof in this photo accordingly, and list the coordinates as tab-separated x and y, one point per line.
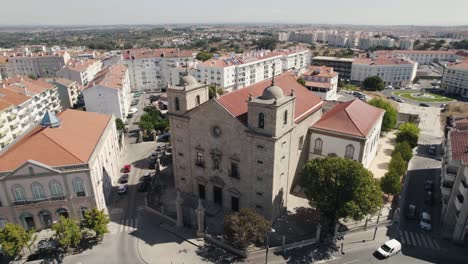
306	102
71	143
149	53
353	117
320	71
459	141
318	84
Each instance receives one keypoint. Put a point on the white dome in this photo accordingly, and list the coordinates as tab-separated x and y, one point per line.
272	92
188	80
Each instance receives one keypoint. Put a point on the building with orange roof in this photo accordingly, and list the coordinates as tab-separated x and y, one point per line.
109	92
66	165
455	78
41	64
423	57
322	80
82	71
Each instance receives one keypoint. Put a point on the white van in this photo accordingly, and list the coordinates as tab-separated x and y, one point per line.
389	248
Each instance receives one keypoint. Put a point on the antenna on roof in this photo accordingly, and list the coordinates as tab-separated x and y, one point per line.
273	79
186	67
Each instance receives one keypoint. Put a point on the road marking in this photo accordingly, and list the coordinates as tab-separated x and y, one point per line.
407	238
423	239
436	244
430	242
402	237
352	261
413	240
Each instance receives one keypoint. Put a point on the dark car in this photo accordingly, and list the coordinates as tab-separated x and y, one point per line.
429	198
152	164
143	186
411	212
429	185
130	115
123	179
423	105
432	149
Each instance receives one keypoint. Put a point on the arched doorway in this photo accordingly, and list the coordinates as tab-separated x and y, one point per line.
46	218
27	220
63	212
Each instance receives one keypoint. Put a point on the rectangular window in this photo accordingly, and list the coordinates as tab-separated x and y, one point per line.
199	160
259	179
259	194
318	146
301	142
260	147
234	170
259	206
259	162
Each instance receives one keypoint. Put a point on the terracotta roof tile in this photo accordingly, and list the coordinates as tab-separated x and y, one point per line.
459	141
71	143
321	71
12	98
111	76
353	117
306	102
26	86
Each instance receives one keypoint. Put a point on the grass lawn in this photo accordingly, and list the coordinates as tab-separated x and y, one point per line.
436	98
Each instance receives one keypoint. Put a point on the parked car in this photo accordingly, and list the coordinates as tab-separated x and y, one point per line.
429	198
389	248
432	149
425	221
133	110
411	212
134	102
146	177
123	179
122	189
130	115
429	185
423	105
127	168
152	164
143	186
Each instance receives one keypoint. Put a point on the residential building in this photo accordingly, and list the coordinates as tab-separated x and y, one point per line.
63	167
41	64
398	72
406	44
423	57
69	92
109	92
454	182
150	70
342	66
82	71
349	130
282	36
455	79
322	81
244	148
371	43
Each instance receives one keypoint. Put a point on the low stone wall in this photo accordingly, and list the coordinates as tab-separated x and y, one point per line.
242	253
156	212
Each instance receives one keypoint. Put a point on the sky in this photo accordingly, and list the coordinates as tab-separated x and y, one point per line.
109	12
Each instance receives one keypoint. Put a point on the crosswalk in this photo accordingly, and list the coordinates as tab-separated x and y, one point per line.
128	225
418	240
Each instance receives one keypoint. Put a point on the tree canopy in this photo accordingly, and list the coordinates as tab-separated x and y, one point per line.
398	164
301	81
152	119
341	188
245	227
119	124
391	183
13	238
204	56
404	149
390	116
408	132
266	43
373	83
213	89
97	221
67	232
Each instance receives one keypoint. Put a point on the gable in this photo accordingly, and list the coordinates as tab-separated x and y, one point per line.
34	167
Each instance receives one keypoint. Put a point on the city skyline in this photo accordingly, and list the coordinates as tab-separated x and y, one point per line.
359	12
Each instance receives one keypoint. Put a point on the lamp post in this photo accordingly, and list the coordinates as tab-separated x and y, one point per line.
268	243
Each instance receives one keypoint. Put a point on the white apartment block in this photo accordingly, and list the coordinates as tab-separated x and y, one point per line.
66	165
393	71
422	57
454	183
69	92
406	44
24	102
150	70
34	64
322	81
109	92
82	71
455	79
369	43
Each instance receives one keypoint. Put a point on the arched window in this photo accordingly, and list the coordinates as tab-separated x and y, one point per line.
18	193
349	152
55	188
261	120
318	146
177	106
37	190
285	117
197	100
78	187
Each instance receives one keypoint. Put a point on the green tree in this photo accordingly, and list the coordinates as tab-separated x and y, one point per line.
404	149
373	83
301	81
398	164
408	132
391	183
204	56
266	43
97	221
152	119
390	117
32	76
213	89
245	227
340	188
119	124
67	232
13	239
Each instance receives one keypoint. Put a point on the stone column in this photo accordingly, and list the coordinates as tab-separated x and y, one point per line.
140	137
200	219
155	136
317	232
335	233
180	220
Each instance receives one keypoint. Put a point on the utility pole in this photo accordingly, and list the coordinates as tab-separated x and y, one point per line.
377	224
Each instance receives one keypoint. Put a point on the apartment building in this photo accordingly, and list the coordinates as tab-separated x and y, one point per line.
342	66
370	43
393	71
423	57
109	92
69	92
322	81
42	64
406	44
66	165
150	70
24	102
81	71
455	79
454	182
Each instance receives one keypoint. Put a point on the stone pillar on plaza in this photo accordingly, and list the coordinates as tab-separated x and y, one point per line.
200	219
140	136
317	232
155	136
180	220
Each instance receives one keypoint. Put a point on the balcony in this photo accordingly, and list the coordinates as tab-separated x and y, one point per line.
449	176
446	188
459	202
11	117
36	201
13	127
3	134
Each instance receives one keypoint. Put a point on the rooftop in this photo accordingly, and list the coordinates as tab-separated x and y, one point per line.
463	65
321	71
12	98
156	53
70	144
381	60
459	142
26	86
333	58
354	118
111	76
80	65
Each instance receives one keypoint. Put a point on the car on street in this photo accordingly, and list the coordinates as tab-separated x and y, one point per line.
130	115
423	105
425	221
123	179
389	248
122	189
429	185
134	102
127	168
397	99
432	149
411	211
143	186
133	110
429	198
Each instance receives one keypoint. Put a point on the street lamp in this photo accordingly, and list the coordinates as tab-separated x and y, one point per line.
270	230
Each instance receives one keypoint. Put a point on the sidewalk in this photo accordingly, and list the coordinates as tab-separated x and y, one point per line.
359	240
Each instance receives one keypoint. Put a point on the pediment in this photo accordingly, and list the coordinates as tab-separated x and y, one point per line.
31	167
